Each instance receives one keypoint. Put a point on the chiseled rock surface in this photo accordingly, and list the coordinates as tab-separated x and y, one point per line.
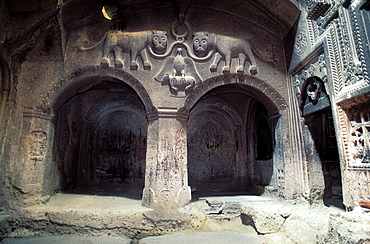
265	218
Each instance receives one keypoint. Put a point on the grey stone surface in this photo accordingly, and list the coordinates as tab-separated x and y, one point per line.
68	240
219	237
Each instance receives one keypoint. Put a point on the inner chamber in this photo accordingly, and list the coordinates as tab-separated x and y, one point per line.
230	143
100	141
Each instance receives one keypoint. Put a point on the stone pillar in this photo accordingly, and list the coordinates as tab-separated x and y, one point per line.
166	177
33	155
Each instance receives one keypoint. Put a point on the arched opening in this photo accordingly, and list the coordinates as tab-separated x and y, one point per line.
230	142
316	110
100	140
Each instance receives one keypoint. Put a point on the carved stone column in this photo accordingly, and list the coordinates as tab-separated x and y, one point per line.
166	178
33	172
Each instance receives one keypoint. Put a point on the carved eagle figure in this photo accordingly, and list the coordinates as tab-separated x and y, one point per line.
178	66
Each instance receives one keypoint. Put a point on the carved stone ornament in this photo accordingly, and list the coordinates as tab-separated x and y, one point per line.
313	90
360	137
317	8
36	144
179	73
117	42
352	74
301	41
179	69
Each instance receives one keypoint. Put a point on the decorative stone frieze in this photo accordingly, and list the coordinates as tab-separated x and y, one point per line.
181	55
316	8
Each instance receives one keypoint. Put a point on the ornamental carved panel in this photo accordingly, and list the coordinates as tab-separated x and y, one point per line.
178	53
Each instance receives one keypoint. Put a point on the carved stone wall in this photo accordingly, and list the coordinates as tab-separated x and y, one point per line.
336	34
127	99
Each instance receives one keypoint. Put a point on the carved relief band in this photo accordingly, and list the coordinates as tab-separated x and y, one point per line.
181	57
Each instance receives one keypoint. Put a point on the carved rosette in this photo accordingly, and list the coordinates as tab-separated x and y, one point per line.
301	41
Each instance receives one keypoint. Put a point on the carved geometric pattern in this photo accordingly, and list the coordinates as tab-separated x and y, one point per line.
317	8
334	61
301	41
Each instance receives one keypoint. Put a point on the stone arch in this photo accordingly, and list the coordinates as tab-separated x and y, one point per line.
262	91
100	142
243	96
66	87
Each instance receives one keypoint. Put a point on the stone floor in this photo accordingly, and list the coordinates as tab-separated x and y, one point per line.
219	237
75	218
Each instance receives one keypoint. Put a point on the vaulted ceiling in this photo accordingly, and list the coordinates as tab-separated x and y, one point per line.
276	16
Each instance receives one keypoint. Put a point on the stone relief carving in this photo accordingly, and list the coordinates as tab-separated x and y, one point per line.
180	57
36	144
117	42
179	73
227	47
301	41
313	90
352	74
316	8
360	138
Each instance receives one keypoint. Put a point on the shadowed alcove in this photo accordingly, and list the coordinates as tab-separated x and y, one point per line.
230	143
318	117
100	140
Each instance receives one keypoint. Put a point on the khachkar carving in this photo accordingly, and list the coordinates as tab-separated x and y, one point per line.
180	57
36	144
360	138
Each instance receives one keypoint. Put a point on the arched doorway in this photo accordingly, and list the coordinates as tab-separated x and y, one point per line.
230	142
316	109
100	140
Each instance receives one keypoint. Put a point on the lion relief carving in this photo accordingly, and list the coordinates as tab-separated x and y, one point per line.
118	42
226	48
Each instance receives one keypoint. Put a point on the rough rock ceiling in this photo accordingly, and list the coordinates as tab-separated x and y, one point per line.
277	16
